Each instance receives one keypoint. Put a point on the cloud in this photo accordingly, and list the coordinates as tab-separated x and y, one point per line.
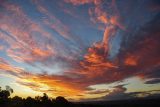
99	92
136	60
153	81
7	68
110	19
143	52
131	60
46	83
17	30
80	2
54	85
119	93
96	68
55	23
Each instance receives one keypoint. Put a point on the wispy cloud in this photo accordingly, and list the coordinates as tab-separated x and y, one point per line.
18	34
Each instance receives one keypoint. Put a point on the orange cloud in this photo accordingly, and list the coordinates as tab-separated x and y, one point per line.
54	22
108	34
9	68
6	67
23	46
95	64
95	68
115	21
51	84
131	60
80	2
54	85
103	19
97	13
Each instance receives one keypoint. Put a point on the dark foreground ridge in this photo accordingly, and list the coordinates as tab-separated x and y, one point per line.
45	101
61	102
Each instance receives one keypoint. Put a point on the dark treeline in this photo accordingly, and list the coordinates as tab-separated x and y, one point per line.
45	101
38	101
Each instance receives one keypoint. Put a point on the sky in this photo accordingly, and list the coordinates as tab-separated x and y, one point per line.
84	50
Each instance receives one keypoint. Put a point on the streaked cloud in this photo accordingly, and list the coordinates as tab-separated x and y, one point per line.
18	31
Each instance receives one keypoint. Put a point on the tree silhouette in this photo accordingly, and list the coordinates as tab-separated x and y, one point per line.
38	98
4	94
17	99
9	89
44	98
61	99
45	101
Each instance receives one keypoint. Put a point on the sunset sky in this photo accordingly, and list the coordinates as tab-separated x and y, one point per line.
84	50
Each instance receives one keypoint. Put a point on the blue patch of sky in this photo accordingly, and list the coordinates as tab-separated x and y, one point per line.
115	45
6	81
